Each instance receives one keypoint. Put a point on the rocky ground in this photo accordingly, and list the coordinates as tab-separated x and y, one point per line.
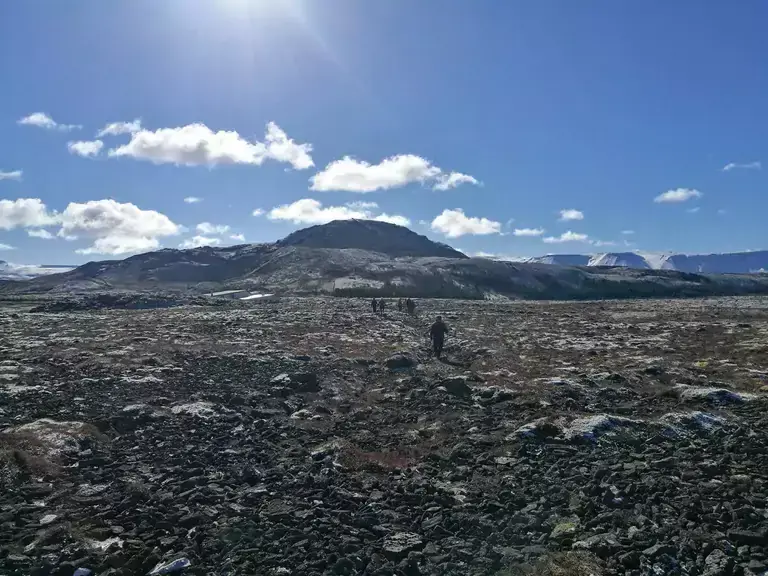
309	437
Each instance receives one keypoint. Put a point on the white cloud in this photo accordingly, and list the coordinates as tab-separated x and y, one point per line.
454	179
310	211
747	166
121	245
454	223
117	128
362	205
40	233
192	199
604	243
42	120
528	231
571	214
351	175
24	213
238	237
13	175
6	247
208	228
86	149
257	212
117	228
693	210
198	145
678	195
197	241
567	237
628	232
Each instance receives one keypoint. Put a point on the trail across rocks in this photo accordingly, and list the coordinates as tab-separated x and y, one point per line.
308	436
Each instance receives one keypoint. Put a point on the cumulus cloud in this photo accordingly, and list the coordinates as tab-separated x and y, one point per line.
25	213
198	145
310	211
238	237
116	228
6	247
567	237
192	199
121	245
746	166
197	241
571	214
42	120
454	179
40	233
351	175
117	128
86	149
678	195
528	231
257	212
12	175
208	228
454	223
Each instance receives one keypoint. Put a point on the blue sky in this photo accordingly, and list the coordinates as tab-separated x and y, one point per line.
477	122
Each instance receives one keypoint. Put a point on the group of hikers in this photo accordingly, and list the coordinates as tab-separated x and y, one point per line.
436	332
379	305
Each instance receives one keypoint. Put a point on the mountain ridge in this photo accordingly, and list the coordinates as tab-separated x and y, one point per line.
364	258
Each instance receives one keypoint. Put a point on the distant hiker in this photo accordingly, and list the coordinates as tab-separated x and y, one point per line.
410	306
437	333
373	305
381	306
400	305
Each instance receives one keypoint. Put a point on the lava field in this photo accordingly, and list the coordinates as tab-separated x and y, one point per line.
308	436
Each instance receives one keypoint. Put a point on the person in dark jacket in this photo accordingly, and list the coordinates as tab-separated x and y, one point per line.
381	306
373	305
410	306
437	333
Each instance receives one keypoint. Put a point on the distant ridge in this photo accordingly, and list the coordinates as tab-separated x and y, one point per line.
729	263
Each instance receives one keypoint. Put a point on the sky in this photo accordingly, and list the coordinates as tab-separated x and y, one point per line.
514	128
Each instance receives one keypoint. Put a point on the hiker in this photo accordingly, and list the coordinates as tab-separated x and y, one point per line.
381	306
410	306
400	305
437	333
373	305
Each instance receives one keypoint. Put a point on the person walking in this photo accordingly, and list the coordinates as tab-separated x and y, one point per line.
437	333
373	305
381	306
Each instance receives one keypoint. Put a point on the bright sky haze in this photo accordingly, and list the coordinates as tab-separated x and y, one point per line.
513	128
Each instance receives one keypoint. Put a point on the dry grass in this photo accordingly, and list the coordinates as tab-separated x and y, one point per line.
559	564
23	452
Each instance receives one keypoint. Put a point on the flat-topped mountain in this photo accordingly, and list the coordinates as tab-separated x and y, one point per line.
373	236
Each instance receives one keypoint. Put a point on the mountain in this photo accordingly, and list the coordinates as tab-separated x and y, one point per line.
733	263
10	271
360	258
370	235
